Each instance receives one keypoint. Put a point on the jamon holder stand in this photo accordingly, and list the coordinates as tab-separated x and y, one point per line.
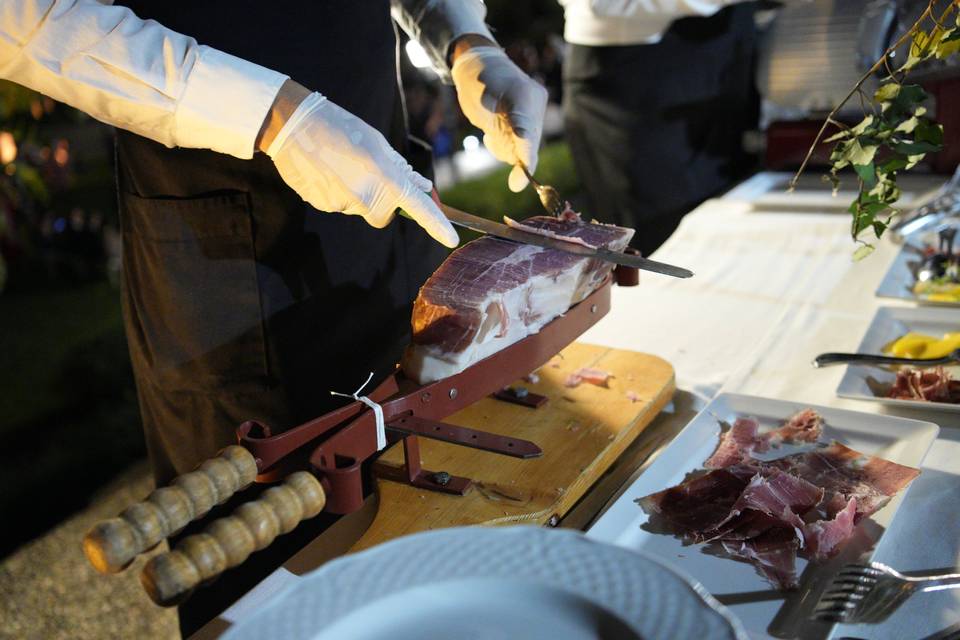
320	465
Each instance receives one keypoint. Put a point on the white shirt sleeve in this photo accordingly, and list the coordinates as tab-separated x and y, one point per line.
624	22
435	24
136	74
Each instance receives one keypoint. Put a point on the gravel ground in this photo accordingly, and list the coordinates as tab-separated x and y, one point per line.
47	589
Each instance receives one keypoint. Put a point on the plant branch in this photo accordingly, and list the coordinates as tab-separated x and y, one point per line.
876	67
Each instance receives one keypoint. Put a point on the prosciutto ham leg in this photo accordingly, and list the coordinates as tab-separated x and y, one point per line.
491	293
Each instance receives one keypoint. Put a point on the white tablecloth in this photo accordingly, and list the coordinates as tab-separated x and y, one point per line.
771	291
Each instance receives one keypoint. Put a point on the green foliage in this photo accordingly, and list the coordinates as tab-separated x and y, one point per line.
896	135
490	198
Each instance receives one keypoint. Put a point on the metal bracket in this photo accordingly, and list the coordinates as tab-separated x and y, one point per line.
412	473
520	395
409	427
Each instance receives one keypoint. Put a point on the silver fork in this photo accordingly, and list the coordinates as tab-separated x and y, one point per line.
549	197
868	593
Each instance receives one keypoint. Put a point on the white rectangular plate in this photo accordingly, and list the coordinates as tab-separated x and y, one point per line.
768	192
736	584
899	280
888	324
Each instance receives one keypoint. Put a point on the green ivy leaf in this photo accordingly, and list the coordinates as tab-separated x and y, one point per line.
929	131
892	164
862	252
861	155
867	173
887	92
913	148
908	125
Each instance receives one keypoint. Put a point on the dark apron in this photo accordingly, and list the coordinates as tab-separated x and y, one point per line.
656	129
241	301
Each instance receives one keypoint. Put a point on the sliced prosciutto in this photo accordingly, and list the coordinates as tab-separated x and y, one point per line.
780	496
739	442
491	293
850	474
701	504
736	444
823	537
803	426
773	553
768	511
930	385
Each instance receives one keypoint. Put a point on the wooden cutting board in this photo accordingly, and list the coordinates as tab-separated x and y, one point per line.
581	430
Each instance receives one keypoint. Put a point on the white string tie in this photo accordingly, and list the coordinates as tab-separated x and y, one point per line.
377	411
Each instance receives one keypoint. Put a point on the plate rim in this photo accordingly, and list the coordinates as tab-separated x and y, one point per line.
898	314
359	559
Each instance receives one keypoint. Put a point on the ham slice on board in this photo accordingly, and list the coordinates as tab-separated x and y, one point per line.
491	293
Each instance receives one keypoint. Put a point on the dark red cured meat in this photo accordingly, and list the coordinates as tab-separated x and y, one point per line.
851	474
736	444
780	496
702	503
930	385
773	553
445	312
743	526
823	537
492	292
803	426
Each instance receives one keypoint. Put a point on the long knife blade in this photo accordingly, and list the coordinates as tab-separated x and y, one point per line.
489	227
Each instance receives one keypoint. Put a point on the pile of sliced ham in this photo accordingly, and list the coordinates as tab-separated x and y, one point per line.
491	293
930	385
766	512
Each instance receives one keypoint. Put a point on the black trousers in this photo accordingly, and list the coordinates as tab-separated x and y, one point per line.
656	129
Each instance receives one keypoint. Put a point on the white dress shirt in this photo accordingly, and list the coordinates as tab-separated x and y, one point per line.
623	22
140	76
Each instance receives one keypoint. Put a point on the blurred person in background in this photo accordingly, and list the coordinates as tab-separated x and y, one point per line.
657	96
242	300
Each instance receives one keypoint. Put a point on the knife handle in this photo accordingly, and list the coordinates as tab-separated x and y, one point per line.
113	544
169	578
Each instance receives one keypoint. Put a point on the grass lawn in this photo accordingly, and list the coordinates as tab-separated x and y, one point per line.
489	196
38	332
68	406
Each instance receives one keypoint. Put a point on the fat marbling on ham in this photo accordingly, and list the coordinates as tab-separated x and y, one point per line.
766	512
491	293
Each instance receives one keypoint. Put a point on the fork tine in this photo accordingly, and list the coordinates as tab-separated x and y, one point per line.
859	594
859	569
830	617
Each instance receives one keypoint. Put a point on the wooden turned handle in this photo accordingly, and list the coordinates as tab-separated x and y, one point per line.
169	578
113	544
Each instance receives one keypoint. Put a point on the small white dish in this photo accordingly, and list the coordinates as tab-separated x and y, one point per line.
761	609
890	323
492	583
899	280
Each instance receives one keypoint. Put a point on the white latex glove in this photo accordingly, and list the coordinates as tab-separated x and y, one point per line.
504	102
337	162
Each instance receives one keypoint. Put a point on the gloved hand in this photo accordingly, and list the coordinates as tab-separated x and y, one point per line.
337	162
504	102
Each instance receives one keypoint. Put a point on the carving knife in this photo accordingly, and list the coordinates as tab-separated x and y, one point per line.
491	228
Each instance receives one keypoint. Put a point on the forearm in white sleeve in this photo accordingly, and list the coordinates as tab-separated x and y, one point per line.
436	24
136	74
